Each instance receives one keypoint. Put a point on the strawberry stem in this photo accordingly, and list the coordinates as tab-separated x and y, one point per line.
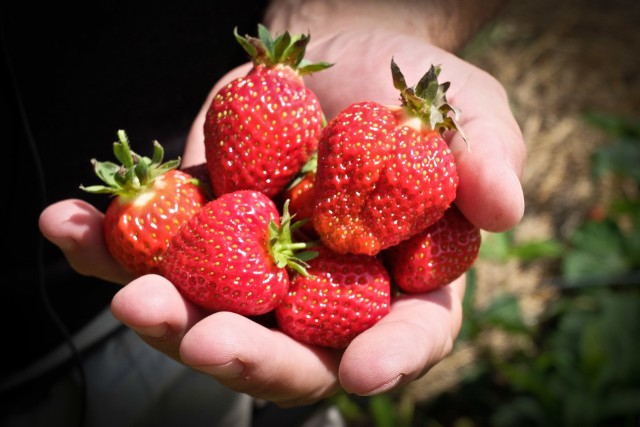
286	49
310	166
134	173
284	250
428	100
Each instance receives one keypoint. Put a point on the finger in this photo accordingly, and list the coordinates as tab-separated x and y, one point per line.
490	163
153	308
418	332
76	228
264	363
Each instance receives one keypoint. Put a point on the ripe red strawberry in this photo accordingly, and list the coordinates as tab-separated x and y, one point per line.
436	256
152	200
232	255
261	128
300	194
385	173
343	296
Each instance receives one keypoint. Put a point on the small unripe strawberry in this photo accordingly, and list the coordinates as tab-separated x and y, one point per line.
300	194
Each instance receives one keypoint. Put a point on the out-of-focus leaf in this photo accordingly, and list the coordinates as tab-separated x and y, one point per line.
504	312
470	326
580	408
501	247
622	403
622	158
592	355
632	235
614	125
350	409
496	246
383	411
533	250
619	317
521	411
597	252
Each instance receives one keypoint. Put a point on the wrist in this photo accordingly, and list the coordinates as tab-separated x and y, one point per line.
324	19
447	24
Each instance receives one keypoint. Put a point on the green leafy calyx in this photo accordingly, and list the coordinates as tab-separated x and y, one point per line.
428	100
285	49
310	166
286	252
134	173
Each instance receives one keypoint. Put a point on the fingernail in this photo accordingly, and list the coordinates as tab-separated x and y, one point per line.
155	332
232	369
385	387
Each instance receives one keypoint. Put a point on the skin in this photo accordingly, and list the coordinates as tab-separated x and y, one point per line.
420	330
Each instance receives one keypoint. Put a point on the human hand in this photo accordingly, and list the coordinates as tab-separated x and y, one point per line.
490	195
419	330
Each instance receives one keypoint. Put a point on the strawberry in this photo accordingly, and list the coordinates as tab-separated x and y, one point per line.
385	173
436	256
232	255
261	128
152	200
300	194
342	296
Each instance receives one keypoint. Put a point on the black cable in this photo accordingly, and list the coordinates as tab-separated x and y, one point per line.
40	266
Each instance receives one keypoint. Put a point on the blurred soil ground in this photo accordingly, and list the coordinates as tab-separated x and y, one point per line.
557	60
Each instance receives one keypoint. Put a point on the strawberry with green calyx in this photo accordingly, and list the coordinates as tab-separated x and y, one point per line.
152	199
385	173
235	255
343	296
262	127
436	256
300	195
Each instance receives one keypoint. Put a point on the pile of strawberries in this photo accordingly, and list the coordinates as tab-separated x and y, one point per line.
320	224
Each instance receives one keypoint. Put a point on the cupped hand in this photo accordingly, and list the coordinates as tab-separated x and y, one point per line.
418	332
265	363
247	356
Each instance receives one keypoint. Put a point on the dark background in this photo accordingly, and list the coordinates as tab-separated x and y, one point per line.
70	78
